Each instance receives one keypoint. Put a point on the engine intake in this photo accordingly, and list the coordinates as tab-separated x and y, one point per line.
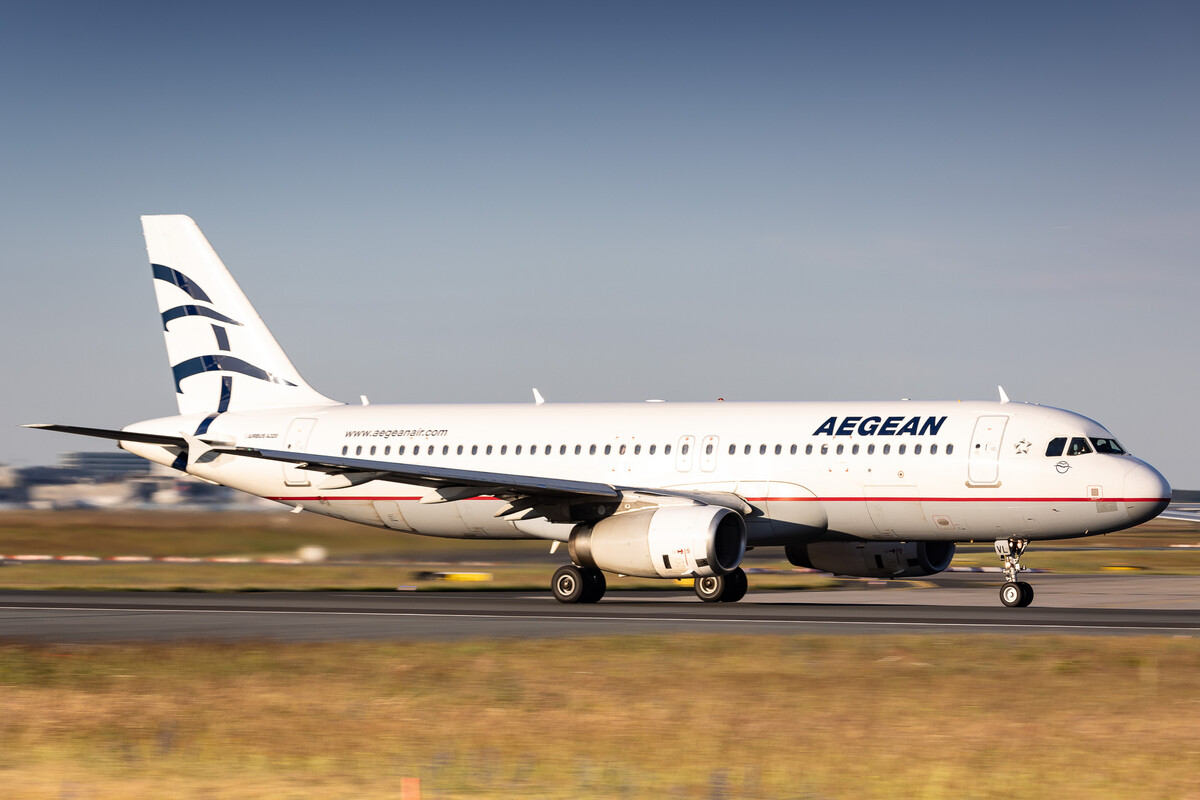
663	542
873	559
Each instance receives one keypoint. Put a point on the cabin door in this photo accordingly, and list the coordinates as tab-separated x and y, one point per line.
297	439
983	464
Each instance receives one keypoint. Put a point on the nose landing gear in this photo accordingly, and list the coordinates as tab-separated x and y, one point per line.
1014	593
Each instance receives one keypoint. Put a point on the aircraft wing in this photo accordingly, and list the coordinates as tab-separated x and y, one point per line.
529	496
354	469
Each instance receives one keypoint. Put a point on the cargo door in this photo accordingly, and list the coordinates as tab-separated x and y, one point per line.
896	510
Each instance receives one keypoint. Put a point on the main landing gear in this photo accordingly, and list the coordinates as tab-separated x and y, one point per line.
727	588
1014	593
572	584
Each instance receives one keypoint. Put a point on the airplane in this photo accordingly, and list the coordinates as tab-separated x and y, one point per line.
652	489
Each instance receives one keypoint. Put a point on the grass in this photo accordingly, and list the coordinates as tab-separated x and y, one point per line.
523	565
705	717
325	577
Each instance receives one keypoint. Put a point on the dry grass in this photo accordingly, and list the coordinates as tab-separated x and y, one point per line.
327	577
692	716
216	533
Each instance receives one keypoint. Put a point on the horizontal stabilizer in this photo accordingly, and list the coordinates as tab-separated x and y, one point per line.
120	436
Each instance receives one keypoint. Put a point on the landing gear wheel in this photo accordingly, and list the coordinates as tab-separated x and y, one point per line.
1014	593
569	584
594	585
739	583
728	588
1011	595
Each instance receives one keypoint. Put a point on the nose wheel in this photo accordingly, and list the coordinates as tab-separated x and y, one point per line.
1014	593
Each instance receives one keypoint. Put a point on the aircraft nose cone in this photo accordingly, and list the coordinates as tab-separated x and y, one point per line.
1147	492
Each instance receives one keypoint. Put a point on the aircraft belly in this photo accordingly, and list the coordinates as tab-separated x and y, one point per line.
436	519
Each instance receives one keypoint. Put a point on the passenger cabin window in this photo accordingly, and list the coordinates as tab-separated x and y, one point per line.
592	450
666	449
1055	448
488	450
653	447
685	449
793	449
372	449
732	449
808	449
608	449
517	451
747	450
460	449
400	450
562	449
824	449
708	448
949	449
1108	446
503	449
933	449
578	449
778	449
345	449
870	449
474	449
622	450
762	449
637	449
854	450
887	448
841	448
917	450
1079	446
547	452
902	448
358	450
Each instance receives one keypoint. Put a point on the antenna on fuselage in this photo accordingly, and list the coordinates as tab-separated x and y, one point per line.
1003	395
538	400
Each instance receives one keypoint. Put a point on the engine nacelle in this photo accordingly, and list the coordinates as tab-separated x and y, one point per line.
663	542
873	559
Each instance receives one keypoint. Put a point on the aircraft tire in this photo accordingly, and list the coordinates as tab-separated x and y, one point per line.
594	585
1026	594
737	584
569	584
710	589
1011	595
728	588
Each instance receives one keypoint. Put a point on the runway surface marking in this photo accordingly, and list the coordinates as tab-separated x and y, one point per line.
599	618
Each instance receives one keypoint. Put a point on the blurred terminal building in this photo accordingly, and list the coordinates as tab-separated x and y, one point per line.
112	479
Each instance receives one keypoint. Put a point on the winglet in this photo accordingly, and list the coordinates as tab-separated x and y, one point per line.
1003	395
538	400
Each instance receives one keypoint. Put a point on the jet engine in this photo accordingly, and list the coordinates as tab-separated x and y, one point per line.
873	559
663	542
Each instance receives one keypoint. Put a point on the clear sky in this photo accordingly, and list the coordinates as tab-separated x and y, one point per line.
454	201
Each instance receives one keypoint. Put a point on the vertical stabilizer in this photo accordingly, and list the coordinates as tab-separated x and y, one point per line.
221	352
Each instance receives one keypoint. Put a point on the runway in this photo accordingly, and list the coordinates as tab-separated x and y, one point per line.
1066	604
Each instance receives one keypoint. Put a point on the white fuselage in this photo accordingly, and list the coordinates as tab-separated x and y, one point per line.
949	471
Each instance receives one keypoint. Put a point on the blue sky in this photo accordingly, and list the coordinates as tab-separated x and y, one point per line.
436	202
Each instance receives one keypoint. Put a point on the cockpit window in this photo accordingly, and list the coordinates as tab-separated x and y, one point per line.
1055	448
1109	446
1079	446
